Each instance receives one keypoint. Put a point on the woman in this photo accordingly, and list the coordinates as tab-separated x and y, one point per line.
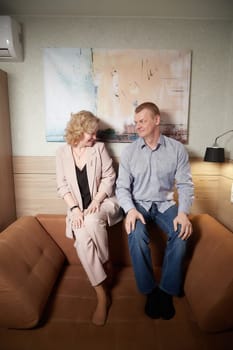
85	180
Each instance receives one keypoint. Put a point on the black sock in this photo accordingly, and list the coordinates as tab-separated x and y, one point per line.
167	310
152	307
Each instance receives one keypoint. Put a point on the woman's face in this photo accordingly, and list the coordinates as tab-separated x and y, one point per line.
88	140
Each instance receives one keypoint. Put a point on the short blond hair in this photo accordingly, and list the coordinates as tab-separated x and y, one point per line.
148	105
79	123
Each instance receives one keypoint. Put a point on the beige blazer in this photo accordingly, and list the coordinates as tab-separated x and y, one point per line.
101	177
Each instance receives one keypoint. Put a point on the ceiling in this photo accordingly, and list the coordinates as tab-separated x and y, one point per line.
190	9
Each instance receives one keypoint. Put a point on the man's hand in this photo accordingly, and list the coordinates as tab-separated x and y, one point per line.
186	227
132	216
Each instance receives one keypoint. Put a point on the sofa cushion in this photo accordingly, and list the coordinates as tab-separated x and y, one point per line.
209	277
30	262
54	224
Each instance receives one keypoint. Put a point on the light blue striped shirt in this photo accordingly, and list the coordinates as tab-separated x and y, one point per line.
149	176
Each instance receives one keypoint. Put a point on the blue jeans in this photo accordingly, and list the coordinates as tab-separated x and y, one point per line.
172	268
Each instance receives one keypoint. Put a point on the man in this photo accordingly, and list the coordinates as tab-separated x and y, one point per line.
149	168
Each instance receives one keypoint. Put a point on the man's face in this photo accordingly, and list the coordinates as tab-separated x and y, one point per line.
146	123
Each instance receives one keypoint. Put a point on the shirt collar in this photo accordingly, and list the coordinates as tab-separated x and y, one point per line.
161	141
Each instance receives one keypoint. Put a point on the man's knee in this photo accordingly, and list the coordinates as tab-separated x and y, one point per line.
139	233
179	244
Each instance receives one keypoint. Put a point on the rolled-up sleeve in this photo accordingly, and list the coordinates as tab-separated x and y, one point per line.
62	185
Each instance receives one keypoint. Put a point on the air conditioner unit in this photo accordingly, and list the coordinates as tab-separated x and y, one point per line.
11	48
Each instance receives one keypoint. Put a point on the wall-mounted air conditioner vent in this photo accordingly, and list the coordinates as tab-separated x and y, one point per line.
11	48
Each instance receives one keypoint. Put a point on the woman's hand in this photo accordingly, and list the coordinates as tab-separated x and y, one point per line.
77	218
93	207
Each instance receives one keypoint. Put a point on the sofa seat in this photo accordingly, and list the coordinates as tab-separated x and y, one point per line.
65	321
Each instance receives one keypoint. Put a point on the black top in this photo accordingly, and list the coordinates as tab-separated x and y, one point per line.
83	185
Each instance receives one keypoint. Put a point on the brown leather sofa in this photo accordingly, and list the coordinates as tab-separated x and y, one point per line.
46	301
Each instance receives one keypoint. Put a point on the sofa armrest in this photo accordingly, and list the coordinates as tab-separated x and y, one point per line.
209	278
29	265
55	225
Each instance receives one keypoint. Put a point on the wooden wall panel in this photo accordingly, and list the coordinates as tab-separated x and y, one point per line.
227	170
206	194
225	207
204	168
34	165
36	194
35	188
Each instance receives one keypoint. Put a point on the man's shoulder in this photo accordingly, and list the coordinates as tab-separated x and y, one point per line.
134	144
131	148
171	141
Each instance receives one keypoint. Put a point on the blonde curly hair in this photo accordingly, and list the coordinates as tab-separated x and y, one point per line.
79	123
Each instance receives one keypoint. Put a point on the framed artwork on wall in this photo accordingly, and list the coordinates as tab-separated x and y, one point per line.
111	83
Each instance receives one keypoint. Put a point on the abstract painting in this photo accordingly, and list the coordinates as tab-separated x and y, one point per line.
111	83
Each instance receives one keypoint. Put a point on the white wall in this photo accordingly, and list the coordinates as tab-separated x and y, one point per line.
211	42
228	120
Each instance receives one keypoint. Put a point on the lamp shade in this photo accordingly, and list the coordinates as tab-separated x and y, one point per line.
214	154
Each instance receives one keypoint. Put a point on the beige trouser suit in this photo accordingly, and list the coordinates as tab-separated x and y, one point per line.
91	241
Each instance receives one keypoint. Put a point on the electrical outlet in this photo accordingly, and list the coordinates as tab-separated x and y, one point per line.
232	193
